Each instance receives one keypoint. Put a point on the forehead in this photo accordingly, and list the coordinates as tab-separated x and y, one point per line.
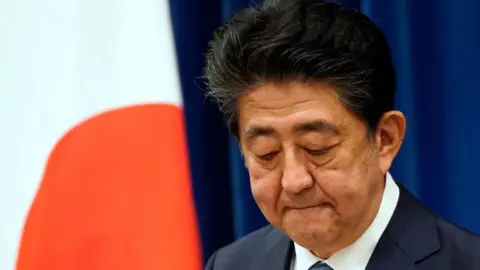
282	107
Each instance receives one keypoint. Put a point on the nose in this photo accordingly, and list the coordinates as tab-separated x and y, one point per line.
295	177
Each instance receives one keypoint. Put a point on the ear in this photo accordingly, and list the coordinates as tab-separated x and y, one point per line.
389	137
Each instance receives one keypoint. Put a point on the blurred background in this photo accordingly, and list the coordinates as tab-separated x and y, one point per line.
65	62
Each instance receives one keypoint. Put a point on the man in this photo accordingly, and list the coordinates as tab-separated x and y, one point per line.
307	87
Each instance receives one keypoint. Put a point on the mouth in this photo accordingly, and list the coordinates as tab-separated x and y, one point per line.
320	205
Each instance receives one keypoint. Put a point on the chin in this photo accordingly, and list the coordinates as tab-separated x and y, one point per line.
313	235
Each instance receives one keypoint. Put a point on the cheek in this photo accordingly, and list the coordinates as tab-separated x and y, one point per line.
346	192
266	188
346	179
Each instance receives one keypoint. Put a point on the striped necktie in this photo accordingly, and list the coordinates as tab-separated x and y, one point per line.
320	266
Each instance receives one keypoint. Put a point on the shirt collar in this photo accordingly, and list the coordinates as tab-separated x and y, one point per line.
357	255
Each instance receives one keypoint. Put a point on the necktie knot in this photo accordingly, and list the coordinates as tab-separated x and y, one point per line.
320	266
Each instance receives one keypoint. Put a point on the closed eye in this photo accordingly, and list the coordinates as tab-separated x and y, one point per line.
318	152
268	157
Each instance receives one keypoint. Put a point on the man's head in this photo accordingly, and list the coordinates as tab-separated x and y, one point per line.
307	87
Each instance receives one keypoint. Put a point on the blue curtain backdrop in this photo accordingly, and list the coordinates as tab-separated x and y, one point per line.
436	49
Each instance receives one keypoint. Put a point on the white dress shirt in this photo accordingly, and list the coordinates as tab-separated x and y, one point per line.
357	255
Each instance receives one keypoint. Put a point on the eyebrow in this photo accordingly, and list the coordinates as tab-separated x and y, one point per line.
319	126
256	131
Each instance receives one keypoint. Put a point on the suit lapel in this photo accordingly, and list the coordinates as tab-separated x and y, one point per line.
411	236
388	255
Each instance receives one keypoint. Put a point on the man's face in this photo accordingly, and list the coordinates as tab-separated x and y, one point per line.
314	173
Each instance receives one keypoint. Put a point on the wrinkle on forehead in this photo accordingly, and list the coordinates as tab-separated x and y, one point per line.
281	100
290	104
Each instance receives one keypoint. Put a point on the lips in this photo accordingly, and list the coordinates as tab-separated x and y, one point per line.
323	204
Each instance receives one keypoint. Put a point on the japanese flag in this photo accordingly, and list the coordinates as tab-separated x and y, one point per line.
94	172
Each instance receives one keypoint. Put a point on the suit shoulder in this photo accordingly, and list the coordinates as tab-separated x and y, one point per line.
241	250
248	243
462	244
454	233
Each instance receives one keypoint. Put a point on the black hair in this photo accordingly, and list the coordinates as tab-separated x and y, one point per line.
308	40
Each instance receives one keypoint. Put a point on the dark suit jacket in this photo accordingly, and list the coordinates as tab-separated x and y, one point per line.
414	239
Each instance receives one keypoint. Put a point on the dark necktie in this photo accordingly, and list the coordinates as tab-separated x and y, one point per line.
320	266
